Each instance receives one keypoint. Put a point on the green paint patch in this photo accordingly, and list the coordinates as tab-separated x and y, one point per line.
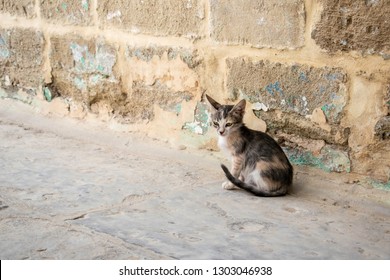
95	79
379	185
85	5
329	159
64	6
194	127
92	68
200	124
47	94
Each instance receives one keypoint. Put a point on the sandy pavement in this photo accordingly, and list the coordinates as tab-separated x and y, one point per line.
72	189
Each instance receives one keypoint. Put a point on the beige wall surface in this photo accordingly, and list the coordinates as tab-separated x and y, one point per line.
316	74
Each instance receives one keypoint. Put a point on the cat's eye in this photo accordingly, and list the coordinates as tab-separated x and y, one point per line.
228	124
215	124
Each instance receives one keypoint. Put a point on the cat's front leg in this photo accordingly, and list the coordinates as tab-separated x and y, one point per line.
235	170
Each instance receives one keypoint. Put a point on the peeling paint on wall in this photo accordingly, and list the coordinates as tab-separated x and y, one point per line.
296	88
85	5
379	185
201	120
92	67
4	50
188	56
330	159
102	61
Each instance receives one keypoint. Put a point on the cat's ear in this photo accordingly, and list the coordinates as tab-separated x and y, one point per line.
213	104
239	108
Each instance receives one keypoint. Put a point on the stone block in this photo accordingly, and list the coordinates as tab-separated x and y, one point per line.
24	8
83	70
293	88
75	12
155	17
21	58
159	75
351	25
259	23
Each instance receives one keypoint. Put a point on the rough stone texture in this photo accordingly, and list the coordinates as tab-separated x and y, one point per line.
293	123
189	56
75	12
382	127
139	105
373	160
157	17
24	8
160	75
260	23
83	70
88	71
21	58
354	25
291	88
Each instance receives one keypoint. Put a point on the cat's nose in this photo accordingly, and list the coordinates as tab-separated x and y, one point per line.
221	132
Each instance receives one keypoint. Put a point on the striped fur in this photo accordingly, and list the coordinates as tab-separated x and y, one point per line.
259	164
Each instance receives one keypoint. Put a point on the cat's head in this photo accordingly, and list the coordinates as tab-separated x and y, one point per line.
226	118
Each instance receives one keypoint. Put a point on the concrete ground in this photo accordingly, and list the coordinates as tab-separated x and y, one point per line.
76	190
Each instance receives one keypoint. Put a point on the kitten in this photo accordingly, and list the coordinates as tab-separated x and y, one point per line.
259	164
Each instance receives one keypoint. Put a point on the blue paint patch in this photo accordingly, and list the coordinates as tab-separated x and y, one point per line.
333	77
274	88
177	108
322	90
335	96
303	77
4	51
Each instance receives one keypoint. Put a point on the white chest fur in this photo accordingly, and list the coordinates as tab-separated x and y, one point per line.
222	144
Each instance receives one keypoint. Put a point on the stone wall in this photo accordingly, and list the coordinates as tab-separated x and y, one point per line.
316	74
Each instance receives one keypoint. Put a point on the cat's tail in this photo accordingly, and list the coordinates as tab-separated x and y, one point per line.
249	188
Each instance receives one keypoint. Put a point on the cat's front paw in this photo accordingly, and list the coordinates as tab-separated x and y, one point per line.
228	185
